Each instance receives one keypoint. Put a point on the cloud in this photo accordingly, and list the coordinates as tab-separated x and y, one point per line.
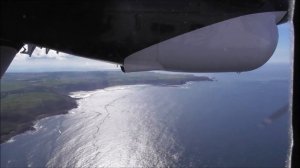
40	53
40	61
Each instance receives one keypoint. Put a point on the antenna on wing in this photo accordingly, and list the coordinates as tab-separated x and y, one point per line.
30	49
47	50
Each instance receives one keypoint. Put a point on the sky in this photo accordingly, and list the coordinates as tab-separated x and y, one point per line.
42	62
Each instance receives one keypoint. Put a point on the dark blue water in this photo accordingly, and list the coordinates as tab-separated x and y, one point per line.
200	124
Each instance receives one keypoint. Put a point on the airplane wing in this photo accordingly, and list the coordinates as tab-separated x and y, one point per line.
172	35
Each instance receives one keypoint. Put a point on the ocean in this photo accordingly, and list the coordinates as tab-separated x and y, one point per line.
224	123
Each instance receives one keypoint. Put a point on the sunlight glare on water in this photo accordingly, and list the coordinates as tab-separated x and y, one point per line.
126	140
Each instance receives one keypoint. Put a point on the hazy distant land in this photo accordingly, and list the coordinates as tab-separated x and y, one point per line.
26	97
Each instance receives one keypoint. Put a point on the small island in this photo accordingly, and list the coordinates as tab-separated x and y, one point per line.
27	97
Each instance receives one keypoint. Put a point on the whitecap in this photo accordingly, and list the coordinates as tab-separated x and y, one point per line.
11	140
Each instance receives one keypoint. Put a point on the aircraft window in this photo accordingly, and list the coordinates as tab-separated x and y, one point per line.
60	110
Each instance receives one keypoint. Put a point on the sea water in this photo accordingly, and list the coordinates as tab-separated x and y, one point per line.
198	124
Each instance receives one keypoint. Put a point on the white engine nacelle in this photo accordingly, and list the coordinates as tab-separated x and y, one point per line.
240	44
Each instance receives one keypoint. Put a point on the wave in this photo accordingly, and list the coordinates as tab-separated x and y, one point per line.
11	140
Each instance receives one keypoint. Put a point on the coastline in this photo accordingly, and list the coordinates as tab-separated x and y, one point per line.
29	126
69	102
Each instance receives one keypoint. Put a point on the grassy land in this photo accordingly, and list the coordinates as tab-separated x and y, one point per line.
26	97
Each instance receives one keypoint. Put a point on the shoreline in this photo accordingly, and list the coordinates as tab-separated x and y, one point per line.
29	126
